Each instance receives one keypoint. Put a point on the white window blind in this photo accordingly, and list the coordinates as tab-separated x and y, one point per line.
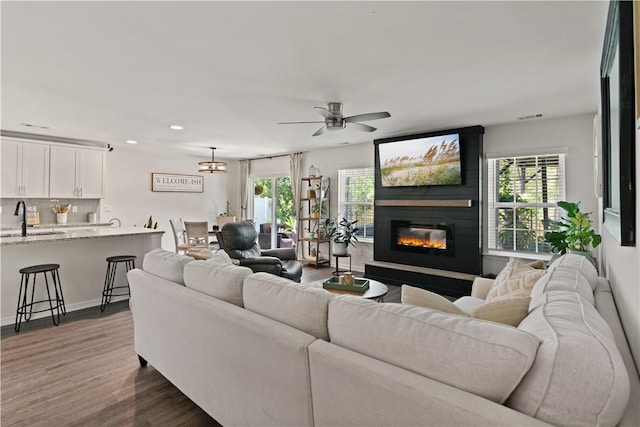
355	198
523	192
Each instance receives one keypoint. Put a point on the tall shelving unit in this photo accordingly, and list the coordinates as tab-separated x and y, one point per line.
315	205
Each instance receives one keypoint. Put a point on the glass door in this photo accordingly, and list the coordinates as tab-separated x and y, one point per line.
273	212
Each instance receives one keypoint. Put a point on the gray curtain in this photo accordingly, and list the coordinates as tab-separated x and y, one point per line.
295	164
244	191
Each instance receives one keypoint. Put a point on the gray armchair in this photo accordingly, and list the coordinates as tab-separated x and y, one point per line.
240	241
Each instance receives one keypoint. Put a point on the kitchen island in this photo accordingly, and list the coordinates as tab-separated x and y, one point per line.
81	253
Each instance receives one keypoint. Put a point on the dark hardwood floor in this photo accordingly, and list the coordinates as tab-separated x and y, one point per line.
86	373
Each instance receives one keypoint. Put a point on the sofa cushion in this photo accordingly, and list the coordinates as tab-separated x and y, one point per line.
508	312
218	279
165	264
514	281
578	377
300	306
484	358
572	262
565	274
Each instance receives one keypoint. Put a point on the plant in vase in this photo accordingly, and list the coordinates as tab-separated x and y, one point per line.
318	210
573	233
226	217
342	233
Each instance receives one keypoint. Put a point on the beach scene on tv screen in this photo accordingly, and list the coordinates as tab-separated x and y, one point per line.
423	161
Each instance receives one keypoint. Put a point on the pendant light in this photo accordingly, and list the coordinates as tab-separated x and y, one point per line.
212	166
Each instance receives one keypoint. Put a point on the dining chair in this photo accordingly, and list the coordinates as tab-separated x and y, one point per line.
197	234
179	236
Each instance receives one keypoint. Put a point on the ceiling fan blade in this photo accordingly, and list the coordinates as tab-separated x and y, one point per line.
325	112
362	127
368	116
296	123
319	131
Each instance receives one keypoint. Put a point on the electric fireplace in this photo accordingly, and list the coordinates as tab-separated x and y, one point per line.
435	239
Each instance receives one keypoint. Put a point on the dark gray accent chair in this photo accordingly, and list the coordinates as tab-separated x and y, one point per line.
240	241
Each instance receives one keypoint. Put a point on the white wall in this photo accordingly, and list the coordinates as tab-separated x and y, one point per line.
621	265
574	133
130	198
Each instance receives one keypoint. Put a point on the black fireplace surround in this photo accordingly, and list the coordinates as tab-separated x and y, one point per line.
455	209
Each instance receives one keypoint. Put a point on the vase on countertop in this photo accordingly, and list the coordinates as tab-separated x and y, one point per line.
61	218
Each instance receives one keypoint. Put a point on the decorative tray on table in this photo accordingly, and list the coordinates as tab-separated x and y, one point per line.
359	285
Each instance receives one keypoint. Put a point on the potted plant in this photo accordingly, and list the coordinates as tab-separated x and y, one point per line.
226	216
317	211
573	233
341	233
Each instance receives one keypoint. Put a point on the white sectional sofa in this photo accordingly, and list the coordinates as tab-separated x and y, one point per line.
256	349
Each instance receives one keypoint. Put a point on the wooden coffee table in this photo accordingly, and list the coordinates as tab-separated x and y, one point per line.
376	290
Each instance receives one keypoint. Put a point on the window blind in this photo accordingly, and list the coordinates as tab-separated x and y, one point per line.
522	196
356	197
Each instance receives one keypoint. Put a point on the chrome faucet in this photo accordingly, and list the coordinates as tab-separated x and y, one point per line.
24	216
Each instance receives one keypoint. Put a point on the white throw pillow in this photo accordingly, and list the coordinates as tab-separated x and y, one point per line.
221	257
508	312
514	281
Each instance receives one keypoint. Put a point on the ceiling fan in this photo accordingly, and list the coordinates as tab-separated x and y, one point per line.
335	120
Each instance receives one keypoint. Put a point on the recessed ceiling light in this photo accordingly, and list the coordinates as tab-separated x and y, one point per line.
131	141
176	127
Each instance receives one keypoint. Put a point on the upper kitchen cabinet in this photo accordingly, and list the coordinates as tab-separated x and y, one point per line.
77	172
25	169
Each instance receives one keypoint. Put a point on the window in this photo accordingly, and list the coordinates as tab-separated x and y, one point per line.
522	194
355	199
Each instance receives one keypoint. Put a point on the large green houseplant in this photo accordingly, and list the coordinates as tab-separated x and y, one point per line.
342	233
574	232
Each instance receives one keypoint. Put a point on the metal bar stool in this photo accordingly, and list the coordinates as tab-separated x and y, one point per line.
56	305
112	264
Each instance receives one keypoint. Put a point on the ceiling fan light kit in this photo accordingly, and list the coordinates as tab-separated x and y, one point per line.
334	119
212	166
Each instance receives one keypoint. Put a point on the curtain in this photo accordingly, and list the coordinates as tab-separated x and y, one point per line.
295	164
244	191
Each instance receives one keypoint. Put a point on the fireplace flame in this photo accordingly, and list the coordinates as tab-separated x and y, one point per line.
420	242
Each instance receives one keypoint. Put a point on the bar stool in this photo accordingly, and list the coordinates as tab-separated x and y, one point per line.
25	308
112	264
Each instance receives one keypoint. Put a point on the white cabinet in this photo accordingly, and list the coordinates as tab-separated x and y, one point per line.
25	169
77	172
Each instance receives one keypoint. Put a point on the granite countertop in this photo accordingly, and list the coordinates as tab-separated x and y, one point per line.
55	225
56	234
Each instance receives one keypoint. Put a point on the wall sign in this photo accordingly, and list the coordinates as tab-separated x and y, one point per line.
171	182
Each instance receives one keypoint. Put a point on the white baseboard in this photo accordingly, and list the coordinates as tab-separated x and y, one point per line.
70	307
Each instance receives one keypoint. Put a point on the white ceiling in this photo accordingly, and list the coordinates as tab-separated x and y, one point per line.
230	71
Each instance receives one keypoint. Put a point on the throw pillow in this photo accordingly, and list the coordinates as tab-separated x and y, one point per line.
514	281
220	257
424	298
537	264
509	312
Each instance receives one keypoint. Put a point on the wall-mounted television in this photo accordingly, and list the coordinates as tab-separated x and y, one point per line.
420	161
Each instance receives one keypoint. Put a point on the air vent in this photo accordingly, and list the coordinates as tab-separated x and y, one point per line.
531	117
30	125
